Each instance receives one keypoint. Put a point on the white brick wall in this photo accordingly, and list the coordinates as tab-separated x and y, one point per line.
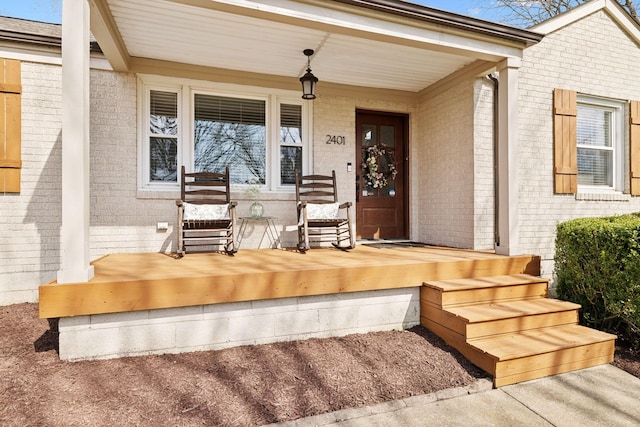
444	166
30	220
592	56
219	326
484	179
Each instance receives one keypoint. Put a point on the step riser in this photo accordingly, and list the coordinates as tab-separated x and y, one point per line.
555	358
543	365
496	327
537	321
484	295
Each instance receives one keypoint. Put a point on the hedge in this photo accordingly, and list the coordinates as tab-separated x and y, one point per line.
597	265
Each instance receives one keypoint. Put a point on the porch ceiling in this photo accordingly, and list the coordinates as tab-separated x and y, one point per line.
354	46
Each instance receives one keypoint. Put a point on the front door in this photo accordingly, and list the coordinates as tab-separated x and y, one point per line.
381	154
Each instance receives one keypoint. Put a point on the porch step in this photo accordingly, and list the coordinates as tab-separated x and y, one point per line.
507	326
542	352
476	290
478	320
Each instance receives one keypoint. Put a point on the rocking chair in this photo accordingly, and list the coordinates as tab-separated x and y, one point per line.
206	215
319	212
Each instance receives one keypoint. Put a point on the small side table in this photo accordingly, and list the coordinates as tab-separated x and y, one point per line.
269	229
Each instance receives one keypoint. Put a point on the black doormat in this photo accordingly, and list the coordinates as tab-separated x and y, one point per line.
392	244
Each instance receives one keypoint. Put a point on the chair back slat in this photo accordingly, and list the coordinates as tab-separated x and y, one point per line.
317	193
192	183
316	185
316	188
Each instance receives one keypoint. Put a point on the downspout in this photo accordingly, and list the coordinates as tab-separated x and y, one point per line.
496	193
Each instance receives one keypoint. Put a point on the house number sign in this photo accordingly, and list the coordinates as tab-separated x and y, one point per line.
336	140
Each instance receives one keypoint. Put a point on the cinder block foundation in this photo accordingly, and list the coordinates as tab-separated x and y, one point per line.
219	326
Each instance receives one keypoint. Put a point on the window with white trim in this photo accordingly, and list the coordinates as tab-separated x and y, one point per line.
600	141
262	136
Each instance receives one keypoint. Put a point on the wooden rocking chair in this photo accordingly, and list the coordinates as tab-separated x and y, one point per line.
206	215
319	212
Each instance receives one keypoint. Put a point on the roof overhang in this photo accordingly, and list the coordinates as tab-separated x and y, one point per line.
384	44
612	7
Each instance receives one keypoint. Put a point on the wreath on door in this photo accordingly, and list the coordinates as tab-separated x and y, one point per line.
376	175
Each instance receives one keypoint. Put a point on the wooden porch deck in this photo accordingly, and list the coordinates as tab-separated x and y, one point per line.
130	282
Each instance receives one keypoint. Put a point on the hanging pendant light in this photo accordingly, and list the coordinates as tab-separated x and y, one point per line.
308	80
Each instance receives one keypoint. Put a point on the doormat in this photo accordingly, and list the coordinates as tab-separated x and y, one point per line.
393	245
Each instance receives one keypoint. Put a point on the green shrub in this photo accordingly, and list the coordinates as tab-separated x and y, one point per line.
597	265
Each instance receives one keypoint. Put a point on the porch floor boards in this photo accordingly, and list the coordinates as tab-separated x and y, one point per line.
130	282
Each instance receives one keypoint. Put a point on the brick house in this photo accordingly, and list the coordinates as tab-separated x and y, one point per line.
469	103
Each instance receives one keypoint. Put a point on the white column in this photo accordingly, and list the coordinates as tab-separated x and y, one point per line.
74	241
508	227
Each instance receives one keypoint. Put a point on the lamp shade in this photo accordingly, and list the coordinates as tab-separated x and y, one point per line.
308	85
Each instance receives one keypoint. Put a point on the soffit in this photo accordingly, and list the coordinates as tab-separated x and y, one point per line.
398	56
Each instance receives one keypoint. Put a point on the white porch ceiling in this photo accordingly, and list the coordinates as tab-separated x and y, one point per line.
180	31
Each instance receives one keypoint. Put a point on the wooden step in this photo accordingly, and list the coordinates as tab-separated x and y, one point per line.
473	321
447	293
538	353
504	317
506	326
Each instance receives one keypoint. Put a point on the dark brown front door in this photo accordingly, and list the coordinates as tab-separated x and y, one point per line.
381	198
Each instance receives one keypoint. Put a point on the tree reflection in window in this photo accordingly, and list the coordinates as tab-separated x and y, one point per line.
290	142
163	139
230	132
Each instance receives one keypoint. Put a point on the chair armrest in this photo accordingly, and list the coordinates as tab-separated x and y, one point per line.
233	205
302	204
345	205
179	203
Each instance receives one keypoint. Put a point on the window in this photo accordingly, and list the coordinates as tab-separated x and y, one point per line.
163	136
263	136
600	133
230	132
290	142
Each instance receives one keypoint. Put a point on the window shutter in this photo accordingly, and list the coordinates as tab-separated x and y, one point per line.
10	125
565	111
634	143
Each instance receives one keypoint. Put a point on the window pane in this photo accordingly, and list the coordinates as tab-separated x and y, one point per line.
369	136
290	160
388	135
595	167
163	159
163	116
594	126
230	132
291	124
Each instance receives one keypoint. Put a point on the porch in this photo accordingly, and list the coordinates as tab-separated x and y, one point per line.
493	309
149	281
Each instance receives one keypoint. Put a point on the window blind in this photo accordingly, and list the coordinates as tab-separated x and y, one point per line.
595	146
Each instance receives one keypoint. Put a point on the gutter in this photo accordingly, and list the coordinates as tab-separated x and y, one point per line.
449	19
40	40
496	176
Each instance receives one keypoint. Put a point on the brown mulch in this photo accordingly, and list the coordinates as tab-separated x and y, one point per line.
243	386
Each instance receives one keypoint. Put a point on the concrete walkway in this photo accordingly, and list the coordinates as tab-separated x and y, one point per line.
599	396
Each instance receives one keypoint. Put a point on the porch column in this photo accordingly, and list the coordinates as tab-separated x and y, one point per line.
508	227
74	239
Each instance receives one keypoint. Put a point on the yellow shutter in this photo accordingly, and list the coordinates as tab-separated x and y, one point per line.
565	111
634	145
10	125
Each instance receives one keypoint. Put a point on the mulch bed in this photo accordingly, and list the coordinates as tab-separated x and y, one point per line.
243	386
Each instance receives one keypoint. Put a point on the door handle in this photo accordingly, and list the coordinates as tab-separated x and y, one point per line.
357	188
